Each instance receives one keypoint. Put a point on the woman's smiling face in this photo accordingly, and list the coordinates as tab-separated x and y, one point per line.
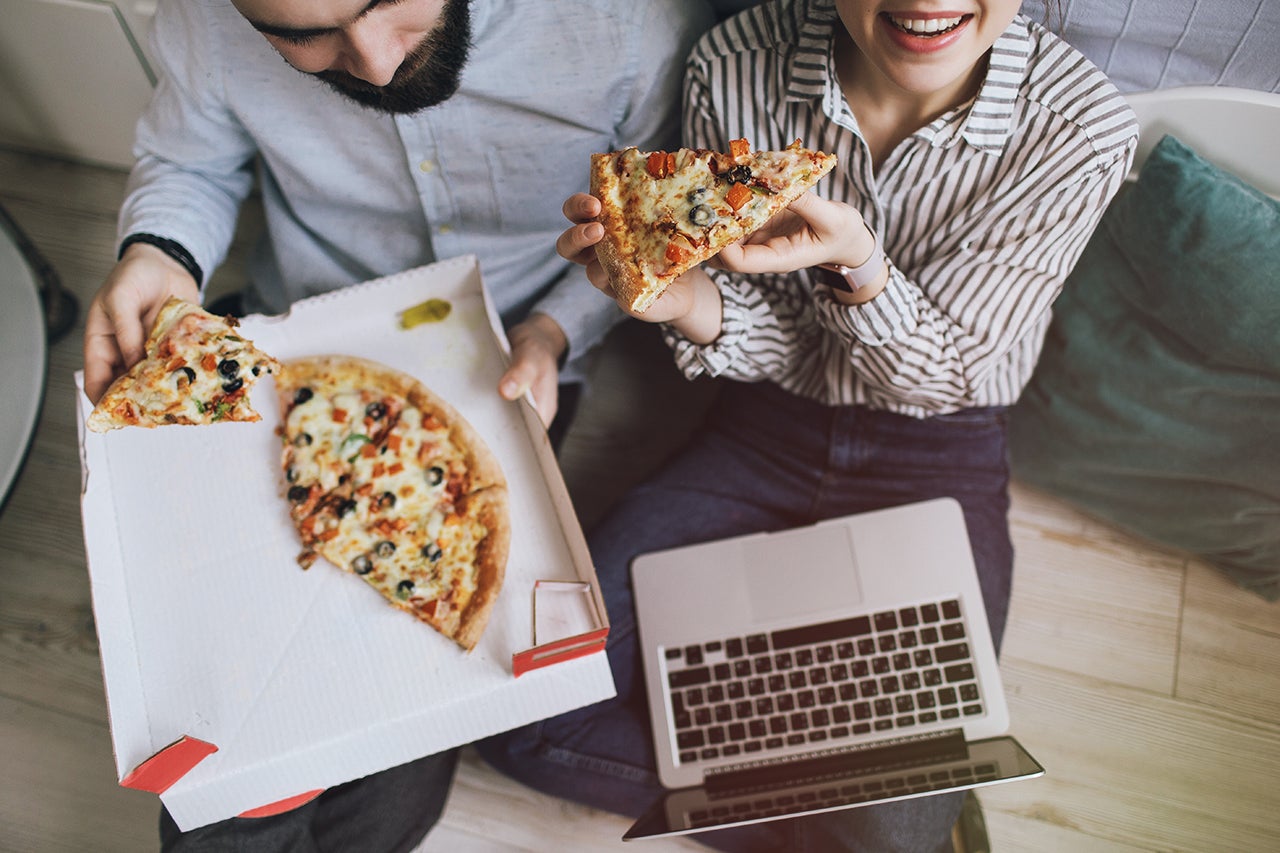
928	48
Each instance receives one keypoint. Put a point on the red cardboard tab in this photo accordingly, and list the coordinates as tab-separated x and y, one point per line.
288	804
167	766
561	650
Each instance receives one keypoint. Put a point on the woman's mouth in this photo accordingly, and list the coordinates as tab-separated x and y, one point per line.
927	27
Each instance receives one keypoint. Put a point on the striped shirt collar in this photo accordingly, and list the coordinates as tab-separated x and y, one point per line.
985	122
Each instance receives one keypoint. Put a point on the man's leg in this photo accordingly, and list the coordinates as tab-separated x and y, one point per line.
386	812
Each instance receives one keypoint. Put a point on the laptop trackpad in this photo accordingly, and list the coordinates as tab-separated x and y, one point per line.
801	572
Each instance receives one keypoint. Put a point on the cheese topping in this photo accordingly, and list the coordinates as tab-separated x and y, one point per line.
388	480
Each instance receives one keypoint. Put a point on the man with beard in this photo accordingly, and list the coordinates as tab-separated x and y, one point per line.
394	133
383	134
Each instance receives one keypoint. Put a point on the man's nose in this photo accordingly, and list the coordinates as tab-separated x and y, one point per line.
373	52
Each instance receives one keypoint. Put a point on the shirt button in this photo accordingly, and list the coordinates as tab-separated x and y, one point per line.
445	229
427	166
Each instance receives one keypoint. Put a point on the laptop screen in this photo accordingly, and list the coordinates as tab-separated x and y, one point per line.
837	782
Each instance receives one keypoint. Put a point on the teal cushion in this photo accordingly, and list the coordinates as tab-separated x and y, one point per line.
1156	402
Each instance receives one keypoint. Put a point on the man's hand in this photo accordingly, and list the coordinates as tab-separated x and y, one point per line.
124	309
536	347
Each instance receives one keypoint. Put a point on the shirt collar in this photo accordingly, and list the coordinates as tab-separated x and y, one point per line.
985	122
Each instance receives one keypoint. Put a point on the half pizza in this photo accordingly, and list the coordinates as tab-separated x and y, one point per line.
386	480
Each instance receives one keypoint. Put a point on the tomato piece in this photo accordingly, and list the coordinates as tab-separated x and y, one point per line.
677	252
739	147
738	195
657	164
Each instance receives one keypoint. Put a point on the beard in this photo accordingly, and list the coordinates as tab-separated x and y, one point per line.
429	74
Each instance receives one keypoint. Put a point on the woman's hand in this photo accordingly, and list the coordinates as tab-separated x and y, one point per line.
691	302
809	232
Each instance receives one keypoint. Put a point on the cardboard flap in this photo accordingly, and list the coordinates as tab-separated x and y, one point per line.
158	773
568	623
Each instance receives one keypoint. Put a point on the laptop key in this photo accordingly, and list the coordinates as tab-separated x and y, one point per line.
959	672
691	740
688	677
947	654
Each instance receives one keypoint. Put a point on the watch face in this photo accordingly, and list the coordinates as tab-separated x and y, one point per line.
832	279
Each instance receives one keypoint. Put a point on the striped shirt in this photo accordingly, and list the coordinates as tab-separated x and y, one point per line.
982	214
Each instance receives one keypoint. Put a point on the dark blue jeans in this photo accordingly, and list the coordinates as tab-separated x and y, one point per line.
768	460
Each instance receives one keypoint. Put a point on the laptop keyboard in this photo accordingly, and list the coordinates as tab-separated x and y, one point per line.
887	672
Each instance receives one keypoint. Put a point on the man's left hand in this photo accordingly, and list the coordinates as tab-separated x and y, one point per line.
536	347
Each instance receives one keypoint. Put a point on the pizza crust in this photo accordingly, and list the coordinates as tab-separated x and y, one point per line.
617	251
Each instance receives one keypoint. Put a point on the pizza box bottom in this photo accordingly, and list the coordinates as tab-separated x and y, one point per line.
234	678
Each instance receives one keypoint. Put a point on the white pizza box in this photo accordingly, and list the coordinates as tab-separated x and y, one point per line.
238	683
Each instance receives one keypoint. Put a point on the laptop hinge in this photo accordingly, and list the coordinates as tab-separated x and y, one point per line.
845	762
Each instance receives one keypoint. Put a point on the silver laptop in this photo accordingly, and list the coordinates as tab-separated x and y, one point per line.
820	668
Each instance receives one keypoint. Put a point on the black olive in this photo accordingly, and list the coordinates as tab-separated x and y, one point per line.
291	475
298	494
190	374
229	367
344	507
362	565
385	548
702	215
302	439
386	500
303	395
435	475
256	370
432	551
738	174
404	589
697	195
375	410
233	386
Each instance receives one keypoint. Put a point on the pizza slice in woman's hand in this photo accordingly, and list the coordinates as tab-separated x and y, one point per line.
664	212
197	369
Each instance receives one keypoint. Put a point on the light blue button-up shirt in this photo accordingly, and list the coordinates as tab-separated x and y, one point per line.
351	194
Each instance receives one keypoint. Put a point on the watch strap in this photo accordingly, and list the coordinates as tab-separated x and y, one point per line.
850	279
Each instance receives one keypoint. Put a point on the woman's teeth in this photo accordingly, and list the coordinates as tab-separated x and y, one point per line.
930	27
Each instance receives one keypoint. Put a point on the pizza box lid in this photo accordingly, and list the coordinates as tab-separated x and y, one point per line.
234	678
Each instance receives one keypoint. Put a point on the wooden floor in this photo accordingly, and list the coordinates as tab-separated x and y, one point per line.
1147	685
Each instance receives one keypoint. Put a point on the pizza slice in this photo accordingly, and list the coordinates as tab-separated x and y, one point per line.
664	212
196	369
387	481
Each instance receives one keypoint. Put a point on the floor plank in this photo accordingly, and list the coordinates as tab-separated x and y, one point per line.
1090	604
59	791
1125	765
1230	647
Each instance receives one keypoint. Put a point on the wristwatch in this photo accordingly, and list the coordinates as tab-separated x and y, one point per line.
850	279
